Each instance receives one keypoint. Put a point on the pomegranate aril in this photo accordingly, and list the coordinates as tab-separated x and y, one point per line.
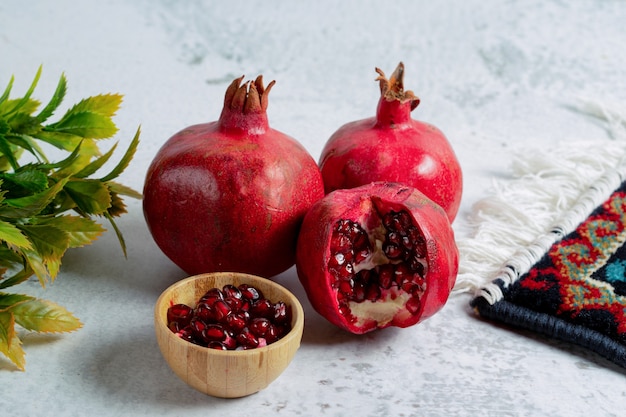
211	296
282	313
413	305
181	314
216	345
186	333
230	291
392	251
237	321
262	308
214	332
250	293
247	339
259	326
386	276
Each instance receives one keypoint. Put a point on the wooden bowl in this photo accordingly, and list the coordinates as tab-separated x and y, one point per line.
226	374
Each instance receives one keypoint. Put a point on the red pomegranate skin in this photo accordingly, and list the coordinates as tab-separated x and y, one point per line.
230	195
394	147
360	205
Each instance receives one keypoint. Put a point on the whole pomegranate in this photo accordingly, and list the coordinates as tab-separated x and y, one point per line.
230	195
375	256
394	147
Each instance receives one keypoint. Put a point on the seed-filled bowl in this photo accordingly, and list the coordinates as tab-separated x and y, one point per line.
226	373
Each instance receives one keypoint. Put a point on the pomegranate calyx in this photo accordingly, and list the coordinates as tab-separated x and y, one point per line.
245	106
249	97
392	89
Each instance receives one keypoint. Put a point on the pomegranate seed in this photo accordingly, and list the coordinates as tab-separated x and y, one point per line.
247	339
230	291
250	293
262	308
282	313
385	276
392	251
179	313
211	296
222	314
237	321
413	305
186	333
214	331
259	326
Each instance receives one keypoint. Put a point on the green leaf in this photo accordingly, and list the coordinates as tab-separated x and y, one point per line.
122	189
24	102
8	301
103	104
91	196
10	344
27	180
128	156
118	233
96	165
45	317
10	234
24	207
50	244
86	124
81	230
35	263
21	276
61	140
7	152
27	142
22	122
55	101
7	91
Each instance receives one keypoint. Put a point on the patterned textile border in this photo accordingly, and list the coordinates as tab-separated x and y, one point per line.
577	290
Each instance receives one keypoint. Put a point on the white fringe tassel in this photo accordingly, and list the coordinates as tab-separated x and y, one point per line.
550	195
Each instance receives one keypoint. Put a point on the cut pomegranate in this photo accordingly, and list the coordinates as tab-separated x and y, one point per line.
376	256
231	318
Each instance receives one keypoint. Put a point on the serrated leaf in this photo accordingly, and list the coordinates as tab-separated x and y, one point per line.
103	104
8	301
7	151
26	142
25	103
18	278
10	344
10	234
55	101
81	230
91	196
49	242
27	180
96	165
23	123
86	124
10	108
31	205
45	317
128	156
7	91
118	233
35	263
61	140
88	149
122	189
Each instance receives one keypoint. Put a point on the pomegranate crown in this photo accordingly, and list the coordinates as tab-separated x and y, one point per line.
249	97
393	88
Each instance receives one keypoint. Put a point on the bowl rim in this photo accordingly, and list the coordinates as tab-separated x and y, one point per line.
297	325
